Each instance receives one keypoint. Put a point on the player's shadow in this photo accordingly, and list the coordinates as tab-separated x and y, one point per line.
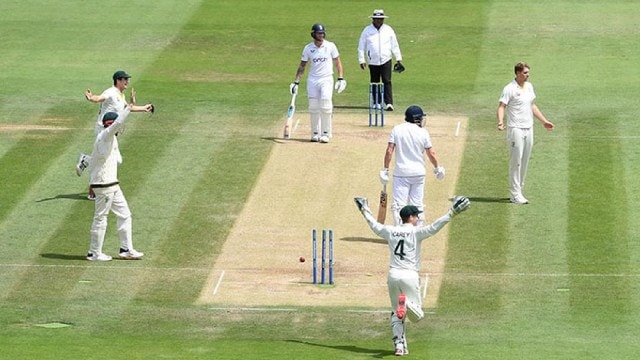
62	256
79	196
363	239
280	140
375	353
488	199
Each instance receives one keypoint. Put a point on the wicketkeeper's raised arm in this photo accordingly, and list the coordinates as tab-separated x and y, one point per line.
363	206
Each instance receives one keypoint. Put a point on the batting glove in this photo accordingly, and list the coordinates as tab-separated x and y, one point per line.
341	85
439	171
384	176
460	204
293	88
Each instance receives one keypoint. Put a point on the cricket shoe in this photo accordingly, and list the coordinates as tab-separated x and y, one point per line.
130	254
98	257
83	163
324	139
401	310
399	349
389	107
519	200
315	138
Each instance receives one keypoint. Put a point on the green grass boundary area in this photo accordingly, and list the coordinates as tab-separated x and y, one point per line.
556	279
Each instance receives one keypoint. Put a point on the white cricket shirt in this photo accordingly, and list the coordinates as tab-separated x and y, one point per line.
410	143
519	101
114	102
320	58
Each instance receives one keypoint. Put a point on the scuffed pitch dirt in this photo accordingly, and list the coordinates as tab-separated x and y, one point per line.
310	185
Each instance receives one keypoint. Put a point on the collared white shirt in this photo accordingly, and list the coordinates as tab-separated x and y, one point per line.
114	101
410	143
320	58
106	153
378	45
519	101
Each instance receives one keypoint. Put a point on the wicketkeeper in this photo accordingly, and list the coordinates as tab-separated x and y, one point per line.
403	279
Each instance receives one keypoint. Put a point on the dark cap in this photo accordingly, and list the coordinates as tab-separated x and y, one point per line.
120	74
109	116
408	211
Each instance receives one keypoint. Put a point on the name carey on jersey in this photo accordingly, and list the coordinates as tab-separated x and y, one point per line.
401	234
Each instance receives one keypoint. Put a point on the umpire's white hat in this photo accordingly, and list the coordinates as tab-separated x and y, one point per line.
378	14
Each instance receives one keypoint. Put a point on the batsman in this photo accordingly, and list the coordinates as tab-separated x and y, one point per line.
403	279
410	141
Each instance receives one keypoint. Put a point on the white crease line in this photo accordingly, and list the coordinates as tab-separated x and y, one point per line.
215	290
426	284
458	129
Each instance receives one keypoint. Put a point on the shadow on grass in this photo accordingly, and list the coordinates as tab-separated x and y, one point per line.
375	353
63	256
80	196
489	199
362	239
280	140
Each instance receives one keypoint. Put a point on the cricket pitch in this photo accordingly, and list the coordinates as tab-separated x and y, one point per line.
308	185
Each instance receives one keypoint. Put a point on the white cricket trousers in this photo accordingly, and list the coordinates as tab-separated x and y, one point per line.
320	93
520	143
401	281
407	191
110	199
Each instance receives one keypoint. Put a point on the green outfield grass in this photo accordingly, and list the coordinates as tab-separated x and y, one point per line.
556	279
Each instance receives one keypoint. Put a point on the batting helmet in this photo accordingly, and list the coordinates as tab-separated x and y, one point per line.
318	28
414	114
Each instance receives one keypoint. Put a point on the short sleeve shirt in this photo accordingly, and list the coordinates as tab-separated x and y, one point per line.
410	143
320	58
519	101
114	102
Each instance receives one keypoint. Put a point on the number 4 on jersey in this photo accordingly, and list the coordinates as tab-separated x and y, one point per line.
399	250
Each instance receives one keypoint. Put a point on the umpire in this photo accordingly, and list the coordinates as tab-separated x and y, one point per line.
379	43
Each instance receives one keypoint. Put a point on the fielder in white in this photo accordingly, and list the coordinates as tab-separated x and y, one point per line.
410	141
518	98
321	54
403	279
111	100
109	197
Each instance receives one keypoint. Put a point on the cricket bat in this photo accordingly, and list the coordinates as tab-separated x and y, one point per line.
290	112
382	210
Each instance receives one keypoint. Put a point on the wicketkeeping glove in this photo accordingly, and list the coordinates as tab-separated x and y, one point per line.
293	88
363	204
398	67
341	84
153	109
460	204
439	171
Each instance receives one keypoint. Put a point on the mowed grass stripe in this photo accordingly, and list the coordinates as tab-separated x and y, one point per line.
599	239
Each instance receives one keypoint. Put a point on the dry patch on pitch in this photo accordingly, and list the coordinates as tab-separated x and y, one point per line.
311	185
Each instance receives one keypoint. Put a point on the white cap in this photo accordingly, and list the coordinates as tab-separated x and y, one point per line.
378	14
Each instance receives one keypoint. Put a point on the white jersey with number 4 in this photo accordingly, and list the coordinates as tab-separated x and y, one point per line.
320	58
405	240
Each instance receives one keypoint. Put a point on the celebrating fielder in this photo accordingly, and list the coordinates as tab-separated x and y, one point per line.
320	53
111	100
109	197
410	141
403	279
